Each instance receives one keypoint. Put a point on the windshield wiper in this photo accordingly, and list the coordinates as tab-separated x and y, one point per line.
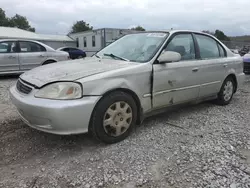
115	56
97	55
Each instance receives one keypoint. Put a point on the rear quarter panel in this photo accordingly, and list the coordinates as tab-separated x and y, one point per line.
235	66
57	56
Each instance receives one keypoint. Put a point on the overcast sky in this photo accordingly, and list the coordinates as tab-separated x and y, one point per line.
57	16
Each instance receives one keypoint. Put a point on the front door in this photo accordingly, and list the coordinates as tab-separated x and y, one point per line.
8	57
177	82
31	55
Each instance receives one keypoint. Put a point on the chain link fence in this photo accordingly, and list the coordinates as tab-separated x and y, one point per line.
236	44
241	47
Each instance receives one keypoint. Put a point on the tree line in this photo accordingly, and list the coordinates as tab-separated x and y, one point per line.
80	26
21	22
15	21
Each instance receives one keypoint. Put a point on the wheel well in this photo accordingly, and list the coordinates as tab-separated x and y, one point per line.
234	79
49	61
134	96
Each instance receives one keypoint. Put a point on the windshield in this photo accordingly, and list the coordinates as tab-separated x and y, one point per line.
139	47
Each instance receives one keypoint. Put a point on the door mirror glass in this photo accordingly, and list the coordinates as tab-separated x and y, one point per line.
169	56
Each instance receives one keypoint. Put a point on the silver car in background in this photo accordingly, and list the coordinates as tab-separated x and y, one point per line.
132	78
17	56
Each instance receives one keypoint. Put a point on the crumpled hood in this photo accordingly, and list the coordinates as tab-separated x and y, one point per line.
71	70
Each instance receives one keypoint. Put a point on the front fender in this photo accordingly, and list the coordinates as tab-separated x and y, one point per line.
139	84
105	85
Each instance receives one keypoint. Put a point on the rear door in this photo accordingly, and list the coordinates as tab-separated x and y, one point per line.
31	55
213	65
9	56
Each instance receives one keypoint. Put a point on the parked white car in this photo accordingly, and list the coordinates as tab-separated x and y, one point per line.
134	77
17	56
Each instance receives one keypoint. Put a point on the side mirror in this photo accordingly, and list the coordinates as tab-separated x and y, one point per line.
169	56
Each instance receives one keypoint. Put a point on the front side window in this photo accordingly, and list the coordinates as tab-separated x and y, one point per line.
84	41
184	45
140	47
93	41
208	47
30	47
8	47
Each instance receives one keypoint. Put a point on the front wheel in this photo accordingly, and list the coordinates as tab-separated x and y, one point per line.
114	117
227	90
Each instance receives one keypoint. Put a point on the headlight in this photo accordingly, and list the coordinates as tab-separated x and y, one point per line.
61	90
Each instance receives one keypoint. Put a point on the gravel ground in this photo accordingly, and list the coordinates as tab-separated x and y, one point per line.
199	146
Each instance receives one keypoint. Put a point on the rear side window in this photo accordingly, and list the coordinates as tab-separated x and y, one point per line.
26	46
208	47
66	49
222	51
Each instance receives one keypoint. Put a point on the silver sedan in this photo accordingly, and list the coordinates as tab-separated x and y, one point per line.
17	56
136	76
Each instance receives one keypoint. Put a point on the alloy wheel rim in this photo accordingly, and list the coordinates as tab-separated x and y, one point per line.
117	118
228	91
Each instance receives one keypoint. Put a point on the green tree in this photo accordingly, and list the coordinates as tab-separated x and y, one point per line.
20	22
80	26
3	18
208	32
138	28
218	34
221	36
15	21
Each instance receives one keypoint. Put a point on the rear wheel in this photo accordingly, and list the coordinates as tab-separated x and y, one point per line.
114	117
227	90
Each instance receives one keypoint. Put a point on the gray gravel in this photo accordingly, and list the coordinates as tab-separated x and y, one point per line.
199	146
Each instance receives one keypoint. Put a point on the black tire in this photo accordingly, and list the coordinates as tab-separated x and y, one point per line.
222	99
79	57
49	62
97	120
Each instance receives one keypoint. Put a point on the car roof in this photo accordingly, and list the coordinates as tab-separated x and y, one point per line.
19	40
173	31
27	40
68	47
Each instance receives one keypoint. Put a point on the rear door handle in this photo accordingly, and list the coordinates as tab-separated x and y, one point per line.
41	55
195	69
225	65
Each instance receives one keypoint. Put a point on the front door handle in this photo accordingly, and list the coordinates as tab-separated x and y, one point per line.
12	57
195	69
41	55
225	65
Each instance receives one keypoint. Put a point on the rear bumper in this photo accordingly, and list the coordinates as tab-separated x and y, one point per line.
240	79
54	116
